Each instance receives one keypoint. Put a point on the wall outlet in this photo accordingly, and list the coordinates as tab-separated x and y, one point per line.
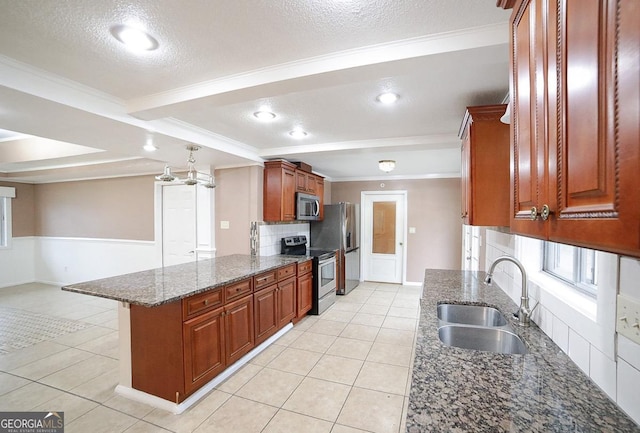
224	224
628	315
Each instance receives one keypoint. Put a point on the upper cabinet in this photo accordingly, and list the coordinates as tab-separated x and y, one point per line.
575	122
485	166
282	179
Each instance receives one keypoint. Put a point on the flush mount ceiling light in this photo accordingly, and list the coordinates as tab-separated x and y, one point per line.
264	115
298	133
387	98
194	177
386	165
134	39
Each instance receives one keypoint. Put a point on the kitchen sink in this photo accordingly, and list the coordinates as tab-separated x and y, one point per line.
477	315
481	338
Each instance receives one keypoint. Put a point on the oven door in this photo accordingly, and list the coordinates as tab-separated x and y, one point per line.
326	276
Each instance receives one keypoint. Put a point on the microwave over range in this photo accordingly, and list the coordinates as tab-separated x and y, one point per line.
307	207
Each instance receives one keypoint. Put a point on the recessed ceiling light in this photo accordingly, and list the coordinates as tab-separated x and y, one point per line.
264	115
134	38
150	147
387	98
298	133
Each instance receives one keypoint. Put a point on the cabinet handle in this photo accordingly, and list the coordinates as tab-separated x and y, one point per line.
464	215
545	212
534	213
206	302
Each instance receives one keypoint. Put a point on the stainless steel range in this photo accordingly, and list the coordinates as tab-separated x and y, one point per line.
324	270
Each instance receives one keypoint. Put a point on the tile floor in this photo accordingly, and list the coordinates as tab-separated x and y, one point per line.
346	371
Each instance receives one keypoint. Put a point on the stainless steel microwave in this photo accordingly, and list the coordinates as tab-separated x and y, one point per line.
307	207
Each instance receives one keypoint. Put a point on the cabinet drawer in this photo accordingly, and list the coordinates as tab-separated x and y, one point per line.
305	267
264	279
197	304
238	290
286	271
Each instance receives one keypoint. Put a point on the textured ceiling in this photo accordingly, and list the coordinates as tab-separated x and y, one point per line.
318	64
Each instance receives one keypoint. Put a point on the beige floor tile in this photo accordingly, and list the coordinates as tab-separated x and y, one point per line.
373	411
74	339
328	327
100	420
360	332
358	296
270	386
313	342
189	420
409	313
338	315
51	364
101	318
145	427
289	337
337	369
295	361
239	378
13	360
100	388
382	287
400	323
374	309
380	294
396	336
380	301
9	382
318	398
128	406
401	302
347	306
72	406
83	313
383	377
368	319
106	345
305	323
290	422
232	417
390	354
27	397
81	372
267	355
337	428
350	348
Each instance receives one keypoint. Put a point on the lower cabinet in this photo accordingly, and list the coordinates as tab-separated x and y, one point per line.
286	301
239	332
305	294
265	313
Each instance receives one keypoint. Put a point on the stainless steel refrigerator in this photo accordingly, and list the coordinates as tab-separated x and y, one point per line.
340	231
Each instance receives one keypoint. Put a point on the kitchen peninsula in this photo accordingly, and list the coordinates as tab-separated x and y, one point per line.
184	328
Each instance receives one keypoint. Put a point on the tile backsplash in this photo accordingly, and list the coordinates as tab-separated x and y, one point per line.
269	235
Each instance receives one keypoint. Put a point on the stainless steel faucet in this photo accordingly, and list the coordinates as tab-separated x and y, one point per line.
523	313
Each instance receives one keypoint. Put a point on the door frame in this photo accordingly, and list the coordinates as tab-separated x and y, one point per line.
366	237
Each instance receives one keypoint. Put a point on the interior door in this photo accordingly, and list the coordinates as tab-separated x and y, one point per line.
178	224
384	228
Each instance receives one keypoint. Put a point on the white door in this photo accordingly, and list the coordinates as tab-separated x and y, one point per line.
178	224
384	224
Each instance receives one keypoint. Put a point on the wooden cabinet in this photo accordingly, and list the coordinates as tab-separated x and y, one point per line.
287	306
305	288
265	313
575	122
281	182
279	191
485	166
204	349
239	329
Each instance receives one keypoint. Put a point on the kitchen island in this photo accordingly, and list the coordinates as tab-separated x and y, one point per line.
185	328
462	390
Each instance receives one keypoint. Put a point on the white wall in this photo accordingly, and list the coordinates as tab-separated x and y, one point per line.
583	329
62	261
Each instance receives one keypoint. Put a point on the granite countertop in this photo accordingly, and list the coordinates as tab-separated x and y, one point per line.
163	285
460	390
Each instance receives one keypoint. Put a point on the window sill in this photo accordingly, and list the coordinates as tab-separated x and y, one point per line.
558	296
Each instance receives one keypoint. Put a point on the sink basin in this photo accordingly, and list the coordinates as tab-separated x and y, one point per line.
477	315
484	339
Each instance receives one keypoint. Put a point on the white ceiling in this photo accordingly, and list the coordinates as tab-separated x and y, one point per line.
318	64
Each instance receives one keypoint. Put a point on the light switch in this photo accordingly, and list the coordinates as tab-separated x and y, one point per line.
628	315
412	230
224	224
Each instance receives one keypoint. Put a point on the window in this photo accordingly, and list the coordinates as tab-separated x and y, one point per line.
575	266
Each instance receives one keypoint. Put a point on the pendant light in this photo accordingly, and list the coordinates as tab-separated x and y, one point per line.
194	177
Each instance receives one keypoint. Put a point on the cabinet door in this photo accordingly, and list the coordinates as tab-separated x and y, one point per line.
305	294
311	184
204	349
288	195
301	181
238	320
528	120
287	306
265	313
596	135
